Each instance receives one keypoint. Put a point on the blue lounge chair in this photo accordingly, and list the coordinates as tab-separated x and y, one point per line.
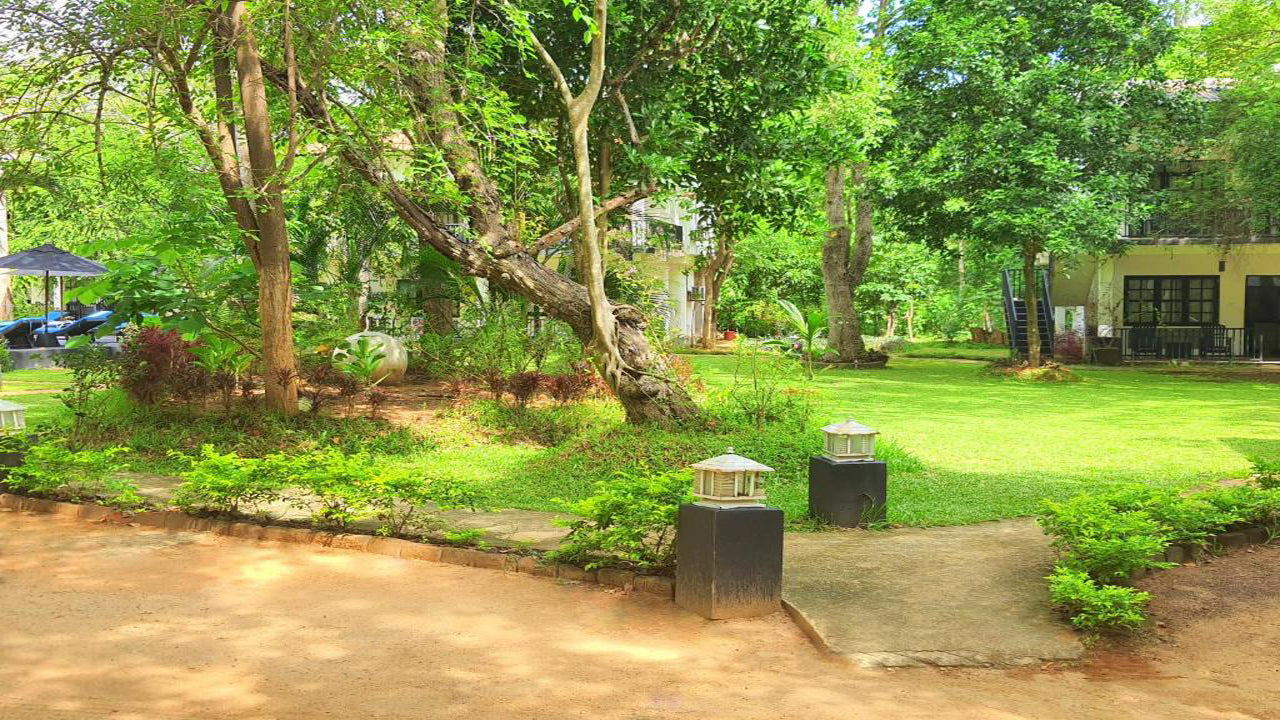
83	326
19	333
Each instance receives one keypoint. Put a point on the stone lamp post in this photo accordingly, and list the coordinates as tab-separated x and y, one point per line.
729	548
12	416
847	485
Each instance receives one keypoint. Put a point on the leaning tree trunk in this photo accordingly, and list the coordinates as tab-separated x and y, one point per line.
1033	304
647	391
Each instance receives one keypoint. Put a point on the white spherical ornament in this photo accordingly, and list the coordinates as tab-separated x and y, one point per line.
392	368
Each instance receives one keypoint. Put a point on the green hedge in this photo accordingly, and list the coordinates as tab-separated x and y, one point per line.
1103	539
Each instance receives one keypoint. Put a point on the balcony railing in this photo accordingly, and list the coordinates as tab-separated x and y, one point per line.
1206	343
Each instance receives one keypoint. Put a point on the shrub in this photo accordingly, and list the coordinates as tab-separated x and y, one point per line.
225	362
1068	346
1184	518
523	385
51	469
157	364
93	370
629	521
1096	607
570	387
227	483
401	501
496	381
1267	473
1106	544
336	486
1253	505
759	394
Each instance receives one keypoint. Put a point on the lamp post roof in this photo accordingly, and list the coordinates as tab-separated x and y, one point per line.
849	427
729	462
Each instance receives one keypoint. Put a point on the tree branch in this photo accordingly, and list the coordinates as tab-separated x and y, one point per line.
556	236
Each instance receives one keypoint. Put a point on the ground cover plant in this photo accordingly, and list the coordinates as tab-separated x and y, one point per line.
50	469
1103	539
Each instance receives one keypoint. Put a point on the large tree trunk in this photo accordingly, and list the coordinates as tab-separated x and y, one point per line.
271	259
843	266
713	277
1032	302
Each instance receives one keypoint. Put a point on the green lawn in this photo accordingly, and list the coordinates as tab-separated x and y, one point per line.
993	447
963	446
37	389
953	350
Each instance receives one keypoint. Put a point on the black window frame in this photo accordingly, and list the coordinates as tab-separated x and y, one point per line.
1175	300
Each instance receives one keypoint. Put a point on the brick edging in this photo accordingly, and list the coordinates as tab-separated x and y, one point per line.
1181	553
395	547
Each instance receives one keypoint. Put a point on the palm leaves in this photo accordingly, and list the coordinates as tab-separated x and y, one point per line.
808	329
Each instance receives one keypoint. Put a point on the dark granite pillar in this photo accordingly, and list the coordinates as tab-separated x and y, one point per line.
729	561
847	494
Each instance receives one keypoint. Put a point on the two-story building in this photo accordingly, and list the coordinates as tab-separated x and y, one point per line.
1183	290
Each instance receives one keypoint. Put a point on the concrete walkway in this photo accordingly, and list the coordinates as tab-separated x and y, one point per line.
950	596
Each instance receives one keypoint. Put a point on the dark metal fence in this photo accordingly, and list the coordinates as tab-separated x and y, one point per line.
1209	342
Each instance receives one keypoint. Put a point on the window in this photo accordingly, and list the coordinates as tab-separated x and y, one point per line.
1171	300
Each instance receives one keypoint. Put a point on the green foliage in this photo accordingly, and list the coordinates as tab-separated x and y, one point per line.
1267	473
361	360
227	483
770	264
154	431
1107	537
542	425
1249	504
494	340
762	391
93	370
1096	607
402	501
1034	129
808	328
51	469
1094	537
630	520
340	490
1184	518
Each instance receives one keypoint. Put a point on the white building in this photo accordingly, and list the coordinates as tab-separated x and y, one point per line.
665	241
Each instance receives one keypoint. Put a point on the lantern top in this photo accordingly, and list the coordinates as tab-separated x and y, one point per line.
729	462
6	406
849	427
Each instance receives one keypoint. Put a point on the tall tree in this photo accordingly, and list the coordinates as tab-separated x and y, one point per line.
1029	125
205	63
844	125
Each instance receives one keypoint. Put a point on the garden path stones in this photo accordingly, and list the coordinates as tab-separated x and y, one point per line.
950	596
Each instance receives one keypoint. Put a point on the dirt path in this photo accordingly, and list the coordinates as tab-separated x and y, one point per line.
104	621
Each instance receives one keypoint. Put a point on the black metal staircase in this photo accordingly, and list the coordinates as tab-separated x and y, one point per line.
1015	312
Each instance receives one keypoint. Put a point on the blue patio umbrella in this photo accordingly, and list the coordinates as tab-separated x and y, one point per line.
49	261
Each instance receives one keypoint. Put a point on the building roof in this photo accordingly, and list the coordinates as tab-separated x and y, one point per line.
729	462
849	427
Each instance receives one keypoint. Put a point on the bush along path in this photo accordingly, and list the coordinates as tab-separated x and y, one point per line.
626	527
1106	540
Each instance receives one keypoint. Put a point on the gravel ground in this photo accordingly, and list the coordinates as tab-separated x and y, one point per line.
104	621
